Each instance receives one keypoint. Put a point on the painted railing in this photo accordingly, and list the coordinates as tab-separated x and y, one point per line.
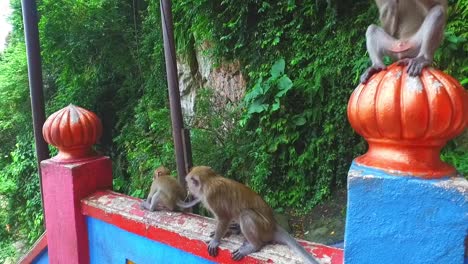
87	222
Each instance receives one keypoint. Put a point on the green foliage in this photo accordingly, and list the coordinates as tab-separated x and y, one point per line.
20	198
20	186
456	153
265	97
451	56
144	140
14	95
105	56
211	130
144	145
458	158
287	121
288	139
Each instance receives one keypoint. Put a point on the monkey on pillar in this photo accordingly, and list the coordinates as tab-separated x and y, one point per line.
411	32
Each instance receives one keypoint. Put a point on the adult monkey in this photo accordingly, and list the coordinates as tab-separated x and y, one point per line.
412	31
229	201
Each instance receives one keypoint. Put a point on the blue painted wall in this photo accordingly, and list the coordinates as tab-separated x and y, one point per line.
395	219
43	258
110	244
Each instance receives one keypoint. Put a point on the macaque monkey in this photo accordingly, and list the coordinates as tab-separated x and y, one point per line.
411	32
229	201
165	191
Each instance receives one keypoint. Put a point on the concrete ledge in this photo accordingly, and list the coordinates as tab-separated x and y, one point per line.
188	232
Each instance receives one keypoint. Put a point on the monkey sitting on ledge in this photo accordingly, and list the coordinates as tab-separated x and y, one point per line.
229	201
165	192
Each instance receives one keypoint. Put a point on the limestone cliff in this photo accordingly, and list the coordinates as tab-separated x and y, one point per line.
201	71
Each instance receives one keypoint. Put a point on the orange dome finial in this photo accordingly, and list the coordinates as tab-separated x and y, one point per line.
73	130
407	120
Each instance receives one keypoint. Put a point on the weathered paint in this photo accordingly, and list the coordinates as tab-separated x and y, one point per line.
110	244
394	219
188	232
64	187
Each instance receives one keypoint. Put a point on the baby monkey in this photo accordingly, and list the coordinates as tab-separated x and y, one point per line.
229	201
165	192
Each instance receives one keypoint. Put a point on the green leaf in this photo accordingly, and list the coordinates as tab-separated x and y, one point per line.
299	121
275	105
284	83
273	147
278	68
256	91
257	107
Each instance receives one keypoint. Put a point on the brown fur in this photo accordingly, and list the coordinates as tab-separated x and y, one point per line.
229	201
221	193
411	32
166	188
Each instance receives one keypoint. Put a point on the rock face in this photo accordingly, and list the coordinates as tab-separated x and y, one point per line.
201	71
189	83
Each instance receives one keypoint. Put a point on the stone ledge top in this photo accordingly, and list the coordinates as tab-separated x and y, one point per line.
188	231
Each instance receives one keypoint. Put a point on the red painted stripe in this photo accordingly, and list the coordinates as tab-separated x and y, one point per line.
194	246
172	239
36	250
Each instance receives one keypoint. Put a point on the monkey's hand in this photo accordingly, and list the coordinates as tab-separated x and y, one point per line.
213	247
415	65
371	71
144	205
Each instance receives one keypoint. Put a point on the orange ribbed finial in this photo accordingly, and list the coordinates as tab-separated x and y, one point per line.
73	130
407	120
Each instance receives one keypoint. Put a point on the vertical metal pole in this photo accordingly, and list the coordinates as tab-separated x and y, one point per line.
173	85
187	149
31	34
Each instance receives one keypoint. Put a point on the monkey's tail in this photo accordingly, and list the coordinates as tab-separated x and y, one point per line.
185	205
284	237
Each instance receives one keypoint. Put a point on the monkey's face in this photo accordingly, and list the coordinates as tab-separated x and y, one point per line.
193	184
160	171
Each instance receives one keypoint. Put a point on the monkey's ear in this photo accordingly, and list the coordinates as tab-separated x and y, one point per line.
157	173
195	181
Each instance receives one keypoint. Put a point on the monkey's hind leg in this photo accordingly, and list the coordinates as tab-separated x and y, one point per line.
429	35
234	229
154	201
378	44
254	228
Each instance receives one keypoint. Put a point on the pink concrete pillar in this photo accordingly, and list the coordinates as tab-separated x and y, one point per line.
73	174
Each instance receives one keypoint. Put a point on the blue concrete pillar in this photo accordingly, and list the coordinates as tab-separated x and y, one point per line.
403	219
405	205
